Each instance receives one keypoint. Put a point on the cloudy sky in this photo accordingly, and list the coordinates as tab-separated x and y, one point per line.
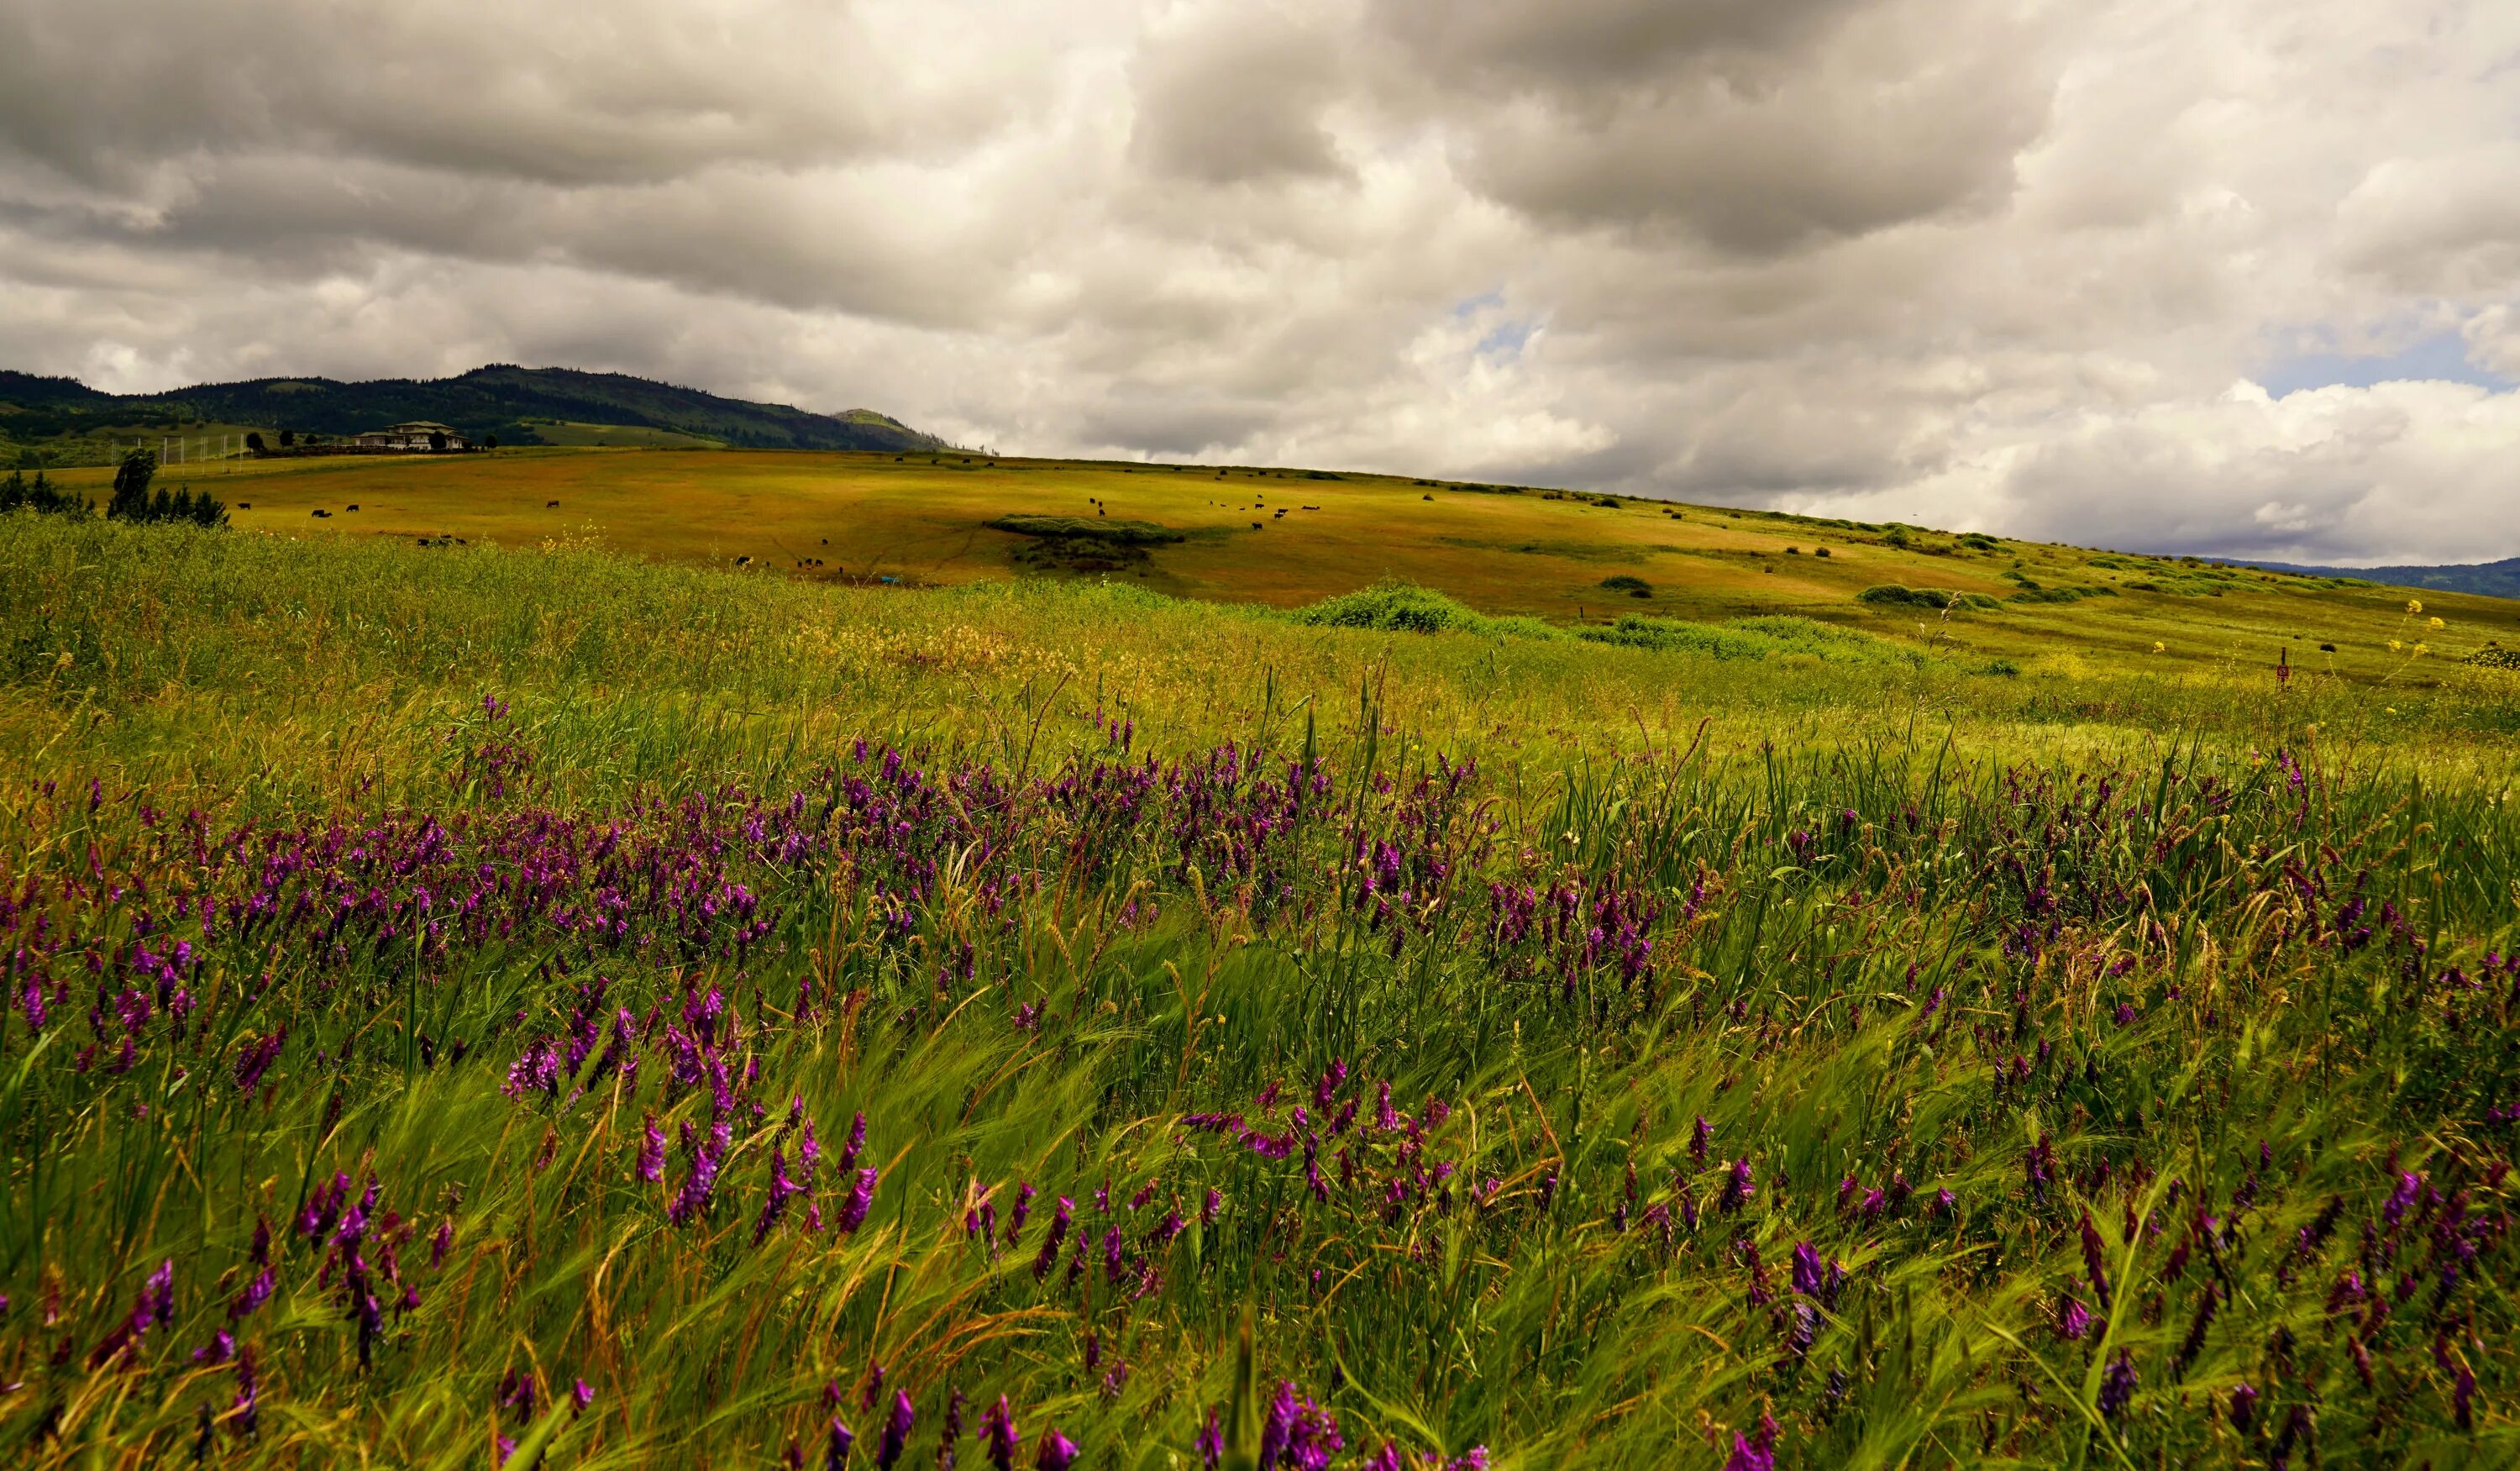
2228	276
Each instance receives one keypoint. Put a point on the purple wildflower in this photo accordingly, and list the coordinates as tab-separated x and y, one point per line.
997	1432
1057	1452
1211	1441
2073	1320
2093	1263
652	1153
853	1211
1297	1433
896	1431
1739	1187
1059	1221
782	1189
836	1444
2117	1385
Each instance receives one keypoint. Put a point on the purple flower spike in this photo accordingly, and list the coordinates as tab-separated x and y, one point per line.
997	1432
781	1191
1807	1270
1739	1187
1057	1452
853	1212
896	1431
2244	1408
247	1412
2073	1320
1749	1455
2117	1386
1211	1441
1297	1433
836	1448
1059	1221
652	1153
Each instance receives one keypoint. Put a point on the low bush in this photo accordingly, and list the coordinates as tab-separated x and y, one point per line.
1395	608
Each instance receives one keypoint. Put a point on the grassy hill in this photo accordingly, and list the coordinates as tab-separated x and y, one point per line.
64	421
1291	538
587	1008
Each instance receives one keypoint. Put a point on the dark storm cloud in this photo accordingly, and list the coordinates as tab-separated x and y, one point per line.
1755	126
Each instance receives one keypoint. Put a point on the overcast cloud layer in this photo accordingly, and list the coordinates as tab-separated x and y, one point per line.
2226	276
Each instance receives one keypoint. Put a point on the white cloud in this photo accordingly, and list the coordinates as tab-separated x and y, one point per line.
1992	263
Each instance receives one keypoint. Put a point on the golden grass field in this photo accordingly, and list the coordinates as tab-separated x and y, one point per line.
1289	537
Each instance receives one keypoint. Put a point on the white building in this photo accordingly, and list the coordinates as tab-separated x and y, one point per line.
418	437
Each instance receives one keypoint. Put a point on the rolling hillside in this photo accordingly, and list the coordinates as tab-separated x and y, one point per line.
65	422
1618	570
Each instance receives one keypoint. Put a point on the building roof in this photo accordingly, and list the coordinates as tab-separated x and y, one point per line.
416	427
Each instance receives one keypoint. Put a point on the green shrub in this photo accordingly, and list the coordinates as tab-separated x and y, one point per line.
1900	595
1634	587
1395	608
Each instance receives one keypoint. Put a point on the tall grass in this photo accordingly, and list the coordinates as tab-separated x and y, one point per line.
1573	1053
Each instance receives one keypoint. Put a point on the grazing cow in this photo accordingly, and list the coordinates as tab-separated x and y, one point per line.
354	505
551	505
744	561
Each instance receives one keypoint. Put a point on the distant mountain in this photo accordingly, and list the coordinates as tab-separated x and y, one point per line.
502	399
2492	579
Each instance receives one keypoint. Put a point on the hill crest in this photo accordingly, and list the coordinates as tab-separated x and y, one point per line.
501	399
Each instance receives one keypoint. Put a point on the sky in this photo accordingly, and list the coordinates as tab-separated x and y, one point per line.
2230	277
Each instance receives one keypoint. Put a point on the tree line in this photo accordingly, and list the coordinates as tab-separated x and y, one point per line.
132	499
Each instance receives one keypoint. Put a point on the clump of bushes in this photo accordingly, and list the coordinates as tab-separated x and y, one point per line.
1124	533
2032	591
1634	587
1900	595
2491	656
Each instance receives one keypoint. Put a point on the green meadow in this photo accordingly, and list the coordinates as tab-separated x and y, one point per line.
494	983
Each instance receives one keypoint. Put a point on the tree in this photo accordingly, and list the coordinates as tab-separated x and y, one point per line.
436	442
287	438
254	442
130	501
489	441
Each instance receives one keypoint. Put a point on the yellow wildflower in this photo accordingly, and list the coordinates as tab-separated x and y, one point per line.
2415	606
2159	646
2421	650
2437	623
2395	646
